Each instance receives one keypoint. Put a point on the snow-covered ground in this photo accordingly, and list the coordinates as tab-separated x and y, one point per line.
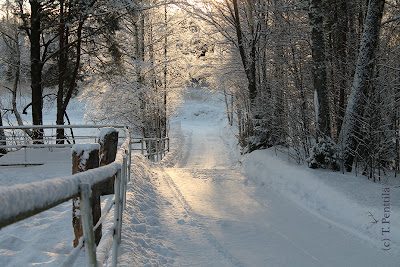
262	210
207	205
215	207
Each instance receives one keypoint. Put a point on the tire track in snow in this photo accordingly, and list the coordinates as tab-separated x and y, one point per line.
196	218
199	157
184	160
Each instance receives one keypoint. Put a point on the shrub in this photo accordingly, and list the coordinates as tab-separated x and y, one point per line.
324	155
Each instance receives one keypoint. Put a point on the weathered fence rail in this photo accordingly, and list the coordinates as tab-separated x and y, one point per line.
22	201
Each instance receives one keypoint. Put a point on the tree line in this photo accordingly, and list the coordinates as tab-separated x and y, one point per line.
117	52
317	78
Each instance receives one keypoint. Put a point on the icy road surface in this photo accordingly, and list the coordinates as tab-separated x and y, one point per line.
216	217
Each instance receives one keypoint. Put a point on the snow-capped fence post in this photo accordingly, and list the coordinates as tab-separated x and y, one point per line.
87	224
108	140
85	157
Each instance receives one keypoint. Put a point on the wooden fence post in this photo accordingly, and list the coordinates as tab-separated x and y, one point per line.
108	140
85	157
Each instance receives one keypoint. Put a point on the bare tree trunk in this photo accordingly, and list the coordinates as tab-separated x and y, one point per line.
361	81
36	67
164	116
341	38
62	62
319	68
230	117
63	97
248	64
14	46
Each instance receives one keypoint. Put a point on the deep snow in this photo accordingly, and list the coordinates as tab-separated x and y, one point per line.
207	205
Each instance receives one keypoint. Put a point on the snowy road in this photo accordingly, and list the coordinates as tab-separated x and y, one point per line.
216	217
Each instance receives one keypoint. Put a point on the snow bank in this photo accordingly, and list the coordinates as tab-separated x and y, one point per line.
142	239
176	141
345	201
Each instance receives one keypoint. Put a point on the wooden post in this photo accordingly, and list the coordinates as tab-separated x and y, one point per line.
85	157
108	140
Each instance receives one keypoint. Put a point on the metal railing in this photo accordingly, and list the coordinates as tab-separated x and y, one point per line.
154	149
47	194
16	138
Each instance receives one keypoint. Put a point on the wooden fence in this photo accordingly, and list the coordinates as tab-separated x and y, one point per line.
22	201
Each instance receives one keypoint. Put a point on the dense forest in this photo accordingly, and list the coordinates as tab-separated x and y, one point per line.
318	79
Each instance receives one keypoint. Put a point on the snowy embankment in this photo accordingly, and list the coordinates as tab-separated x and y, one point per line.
176	141
346	201
143	240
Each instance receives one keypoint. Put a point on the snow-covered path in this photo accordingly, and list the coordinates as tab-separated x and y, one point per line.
214	216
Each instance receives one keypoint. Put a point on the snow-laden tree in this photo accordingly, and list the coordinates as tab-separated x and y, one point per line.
350	134
145	87
14	60
58	33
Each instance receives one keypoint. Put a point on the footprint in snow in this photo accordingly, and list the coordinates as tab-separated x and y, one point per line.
151	220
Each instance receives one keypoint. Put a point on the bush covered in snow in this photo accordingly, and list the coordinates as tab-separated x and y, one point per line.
324	155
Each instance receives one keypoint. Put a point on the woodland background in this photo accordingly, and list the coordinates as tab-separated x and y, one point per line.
318	79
